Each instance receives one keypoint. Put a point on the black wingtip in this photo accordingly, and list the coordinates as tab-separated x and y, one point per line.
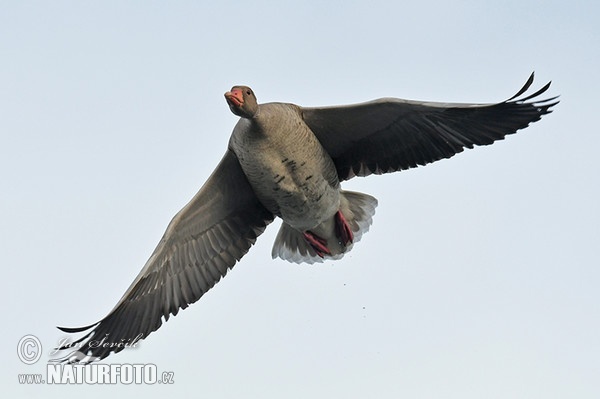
546	103
524	88
537	93
76	329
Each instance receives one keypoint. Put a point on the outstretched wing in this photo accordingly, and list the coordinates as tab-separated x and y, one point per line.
202	242
392	134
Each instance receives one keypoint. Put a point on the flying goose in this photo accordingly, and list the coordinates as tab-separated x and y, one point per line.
287	161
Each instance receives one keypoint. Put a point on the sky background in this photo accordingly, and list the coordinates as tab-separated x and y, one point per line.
478	279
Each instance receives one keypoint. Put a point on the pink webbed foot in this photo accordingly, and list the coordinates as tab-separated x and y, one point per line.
317	243
342	229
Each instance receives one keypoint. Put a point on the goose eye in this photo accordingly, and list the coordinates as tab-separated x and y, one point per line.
248	92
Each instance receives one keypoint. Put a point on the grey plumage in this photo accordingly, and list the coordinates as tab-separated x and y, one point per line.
288	161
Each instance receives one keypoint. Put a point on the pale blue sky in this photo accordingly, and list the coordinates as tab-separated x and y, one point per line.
478	279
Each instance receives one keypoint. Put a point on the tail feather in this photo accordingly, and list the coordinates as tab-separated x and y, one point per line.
357	208
362	208
290	245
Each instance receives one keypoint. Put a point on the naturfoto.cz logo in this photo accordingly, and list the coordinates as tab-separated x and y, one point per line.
99	373
29	351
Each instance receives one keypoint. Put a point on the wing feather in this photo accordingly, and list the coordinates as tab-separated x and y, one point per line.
391	134
202	242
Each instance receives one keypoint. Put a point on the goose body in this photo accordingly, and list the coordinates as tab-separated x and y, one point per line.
287	167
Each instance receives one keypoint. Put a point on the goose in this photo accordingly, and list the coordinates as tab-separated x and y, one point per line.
288	161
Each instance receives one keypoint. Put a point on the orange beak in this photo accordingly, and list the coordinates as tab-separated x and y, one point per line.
235	97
